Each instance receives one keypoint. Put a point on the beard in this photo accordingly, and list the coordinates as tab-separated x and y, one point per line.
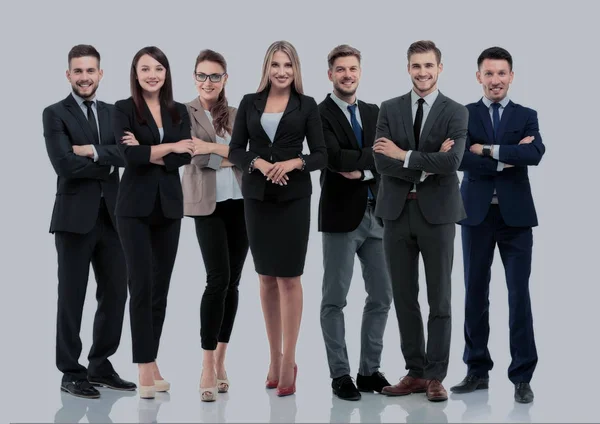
79	91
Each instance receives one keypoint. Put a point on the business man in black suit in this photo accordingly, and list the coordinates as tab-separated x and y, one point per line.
503	141
420	143
81	148
350	227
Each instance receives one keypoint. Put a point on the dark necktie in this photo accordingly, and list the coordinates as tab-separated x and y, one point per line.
496	118
418	122
358	132
92	119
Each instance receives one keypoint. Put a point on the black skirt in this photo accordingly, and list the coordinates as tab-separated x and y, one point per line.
278	235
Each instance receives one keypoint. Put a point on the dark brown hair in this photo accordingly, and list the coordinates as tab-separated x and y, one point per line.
82	50
495	53
343	50
424	46
220	111
166	91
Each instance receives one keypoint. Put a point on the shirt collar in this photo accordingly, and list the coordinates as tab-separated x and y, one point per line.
80	99
487	102
429	99
341	103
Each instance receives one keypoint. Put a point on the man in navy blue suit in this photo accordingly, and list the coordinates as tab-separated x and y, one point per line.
503	141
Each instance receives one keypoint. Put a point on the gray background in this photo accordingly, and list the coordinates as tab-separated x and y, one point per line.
556	65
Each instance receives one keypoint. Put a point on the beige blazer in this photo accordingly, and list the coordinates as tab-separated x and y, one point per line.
199	180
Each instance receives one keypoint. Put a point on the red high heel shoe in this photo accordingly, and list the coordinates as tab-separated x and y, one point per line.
271	384
286	391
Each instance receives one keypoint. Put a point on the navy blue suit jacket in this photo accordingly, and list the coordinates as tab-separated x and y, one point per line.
512	184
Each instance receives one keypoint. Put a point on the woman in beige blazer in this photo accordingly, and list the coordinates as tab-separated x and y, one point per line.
212	196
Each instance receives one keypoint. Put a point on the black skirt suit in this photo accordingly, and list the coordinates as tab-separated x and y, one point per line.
278	217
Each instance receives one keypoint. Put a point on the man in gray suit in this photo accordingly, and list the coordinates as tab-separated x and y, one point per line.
419	146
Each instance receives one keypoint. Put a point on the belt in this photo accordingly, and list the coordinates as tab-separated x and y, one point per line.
411	195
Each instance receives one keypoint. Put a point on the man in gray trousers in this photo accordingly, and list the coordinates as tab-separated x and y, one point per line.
419	146
350	227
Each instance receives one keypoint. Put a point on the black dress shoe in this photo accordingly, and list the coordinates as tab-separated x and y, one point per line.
80	388
523	393
112	381
344	388
371	383
470	384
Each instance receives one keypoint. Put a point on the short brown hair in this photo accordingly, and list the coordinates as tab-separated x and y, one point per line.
343	50
82	50
424	46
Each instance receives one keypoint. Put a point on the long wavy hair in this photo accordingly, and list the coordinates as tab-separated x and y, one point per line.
220	111
290	50
166	91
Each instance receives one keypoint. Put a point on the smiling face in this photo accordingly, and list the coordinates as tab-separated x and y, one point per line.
84	74
281	72
424	71
345	75
150	73
495	76
208	90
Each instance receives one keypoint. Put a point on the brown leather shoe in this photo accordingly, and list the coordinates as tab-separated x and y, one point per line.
436	392
406	386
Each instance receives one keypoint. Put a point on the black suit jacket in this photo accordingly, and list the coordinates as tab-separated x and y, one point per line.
142	180
80	180
300	119
343	201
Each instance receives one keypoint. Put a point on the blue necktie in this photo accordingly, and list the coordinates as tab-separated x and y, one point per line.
496	118
358	132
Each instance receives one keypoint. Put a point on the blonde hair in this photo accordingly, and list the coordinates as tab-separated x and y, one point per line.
290	50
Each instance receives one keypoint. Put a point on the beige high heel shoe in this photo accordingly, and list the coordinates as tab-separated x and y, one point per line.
208	394
223	385
147	392
162	385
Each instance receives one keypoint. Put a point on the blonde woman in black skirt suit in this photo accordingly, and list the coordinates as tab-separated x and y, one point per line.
266	144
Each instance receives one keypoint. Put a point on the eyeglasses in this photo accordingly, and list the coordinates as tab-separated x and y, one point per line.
201	77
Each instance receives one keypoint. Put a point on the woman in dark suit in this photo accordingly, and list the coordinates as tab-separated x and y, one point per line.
277	187
153	133
213	197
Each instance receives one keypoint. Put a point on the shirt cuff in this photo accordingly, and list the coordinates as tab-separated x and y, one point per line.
368	175
500	166
407	158
423	175
496	152
95	153
112	168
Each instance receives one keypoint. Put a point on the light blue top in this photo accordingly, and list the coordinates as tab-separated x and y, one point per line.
270	122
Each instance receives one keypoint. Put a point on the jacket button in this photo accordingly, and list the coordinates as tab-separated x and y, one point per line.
270	144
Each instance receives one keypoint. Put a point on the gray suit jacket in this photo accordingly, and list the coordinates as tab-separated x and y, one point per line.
438	196
199	181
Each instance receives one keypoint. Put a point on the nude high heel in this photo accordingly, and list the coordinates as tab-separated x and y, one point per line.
208	394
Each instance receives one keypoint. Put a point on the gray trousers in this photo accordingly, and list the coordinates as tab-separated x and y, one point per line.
403	240
339	250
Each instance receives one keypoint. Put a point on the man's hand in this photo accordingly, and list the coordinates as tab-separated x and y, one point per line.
527	140
477	149
446	145
388	148
85	150
353	175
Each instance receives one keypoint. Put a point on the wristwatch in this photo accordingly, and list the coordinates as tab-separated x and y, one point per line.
487	150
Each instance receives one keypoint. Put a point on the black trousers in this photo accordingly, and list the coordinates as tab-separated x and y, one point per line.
403	240
224	246
150	246
515	245
100	247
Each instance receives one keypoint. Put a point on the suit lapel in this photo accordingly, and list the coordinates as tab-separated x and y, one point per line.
406	110
484	115
259	103
292	104
508	110
436	109
72	106
200	116
151	123
368	126
341	118
106	132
